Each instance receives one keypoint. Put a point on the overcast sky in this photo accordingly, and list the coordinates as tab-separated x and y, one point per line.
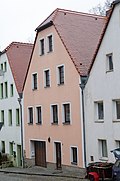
19	18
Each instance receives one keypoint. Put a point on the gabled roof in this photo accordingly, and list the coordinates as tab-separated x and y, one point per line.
18	57
80	34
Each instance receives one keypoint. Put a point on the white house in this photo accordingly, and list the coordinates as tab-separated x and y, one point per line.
14	61
102	94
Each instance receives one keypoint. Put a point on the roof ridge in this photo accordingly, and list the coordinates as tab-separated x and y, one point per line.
16	43
80	13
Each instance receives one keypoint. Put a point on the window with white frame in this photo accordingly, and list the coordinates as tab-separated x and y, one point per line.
34	81
74	155
10	117
47	78
109	62
66	113
117	143
5	66
39	114
99	111
17	117
54	114
42	46
11	90
30	115
2	116
3	146
50	43
103	152
11	148
61	75
116	110
6	89
1	90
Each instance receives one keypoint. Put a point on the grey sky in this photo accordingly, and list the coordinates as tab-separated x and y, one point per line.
19	18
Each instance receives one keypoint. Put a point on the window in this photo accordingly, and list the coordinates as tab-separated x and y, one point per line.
54	109
1	90
109	62
39	114
10	117
3	146
6	90
30	115
74	156
11	148
11	90
116	110
17	117
47	78
50	43
66	113
61	75
2	66
117	143
5	66
2	116
99	111
103	148
34	81
42	50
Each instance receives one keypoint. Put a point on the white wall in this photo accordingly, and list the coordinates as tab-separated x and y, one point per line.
104	86
9	133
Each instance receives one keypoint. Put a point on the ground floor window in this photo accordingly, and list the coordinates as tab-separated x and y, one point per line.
3	146
74	155
103	148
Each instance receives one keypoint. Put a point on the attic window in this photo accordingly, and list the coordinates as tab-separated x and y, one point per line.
50	43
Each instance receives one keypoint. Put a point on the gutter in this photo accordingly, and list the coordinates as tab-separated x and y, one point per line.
42	27
82	86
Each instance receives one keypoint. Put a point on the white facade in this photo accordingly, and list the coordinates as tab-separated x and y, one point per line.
102	91
10	133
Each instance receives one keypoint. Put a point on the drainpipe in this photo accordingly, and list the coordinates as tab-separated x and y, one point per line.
21	121
82	86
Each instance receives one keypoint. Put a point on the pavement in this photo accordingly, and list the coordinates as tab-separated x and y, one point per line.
50	171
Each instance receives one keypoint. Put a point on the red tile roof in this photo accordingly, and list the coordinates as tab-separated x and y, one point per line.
19	57
80	34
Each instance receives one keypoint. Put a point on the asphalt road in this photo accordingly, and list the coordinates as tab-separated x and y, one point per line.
22	177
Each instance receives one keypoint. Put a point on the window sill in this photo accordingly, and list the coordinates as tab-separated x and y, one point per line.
99	121
17	125
38	123
48	86
73	163
66	123
107	71
50	51
34	89
61	84
42	54
56	124
103	159
116	120
30	123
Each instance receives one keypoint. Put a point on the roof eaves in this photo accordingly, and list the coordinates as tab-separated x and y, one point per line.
40	28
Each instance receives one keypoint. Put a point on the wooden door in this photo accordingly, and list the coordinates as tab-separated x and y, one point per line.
58	155
40	153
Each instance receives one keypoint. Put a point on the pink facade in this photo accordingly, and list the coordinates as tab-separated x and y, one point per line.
68	135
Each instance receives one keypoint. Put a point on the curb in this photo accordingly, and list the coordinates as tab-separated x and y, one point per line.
41	174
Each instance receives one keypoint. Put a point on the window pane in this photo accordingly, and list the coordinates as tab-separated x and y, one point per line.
55	113
30	115
39	115
74	155
47	78
100	111
17	117
34	81
42	46
50	44
61	75
10	117
11	90
6	90
118	109
67	113
2	116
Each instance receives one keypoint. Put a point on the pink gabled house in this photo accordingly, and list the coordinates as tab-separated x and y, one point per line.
63	51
